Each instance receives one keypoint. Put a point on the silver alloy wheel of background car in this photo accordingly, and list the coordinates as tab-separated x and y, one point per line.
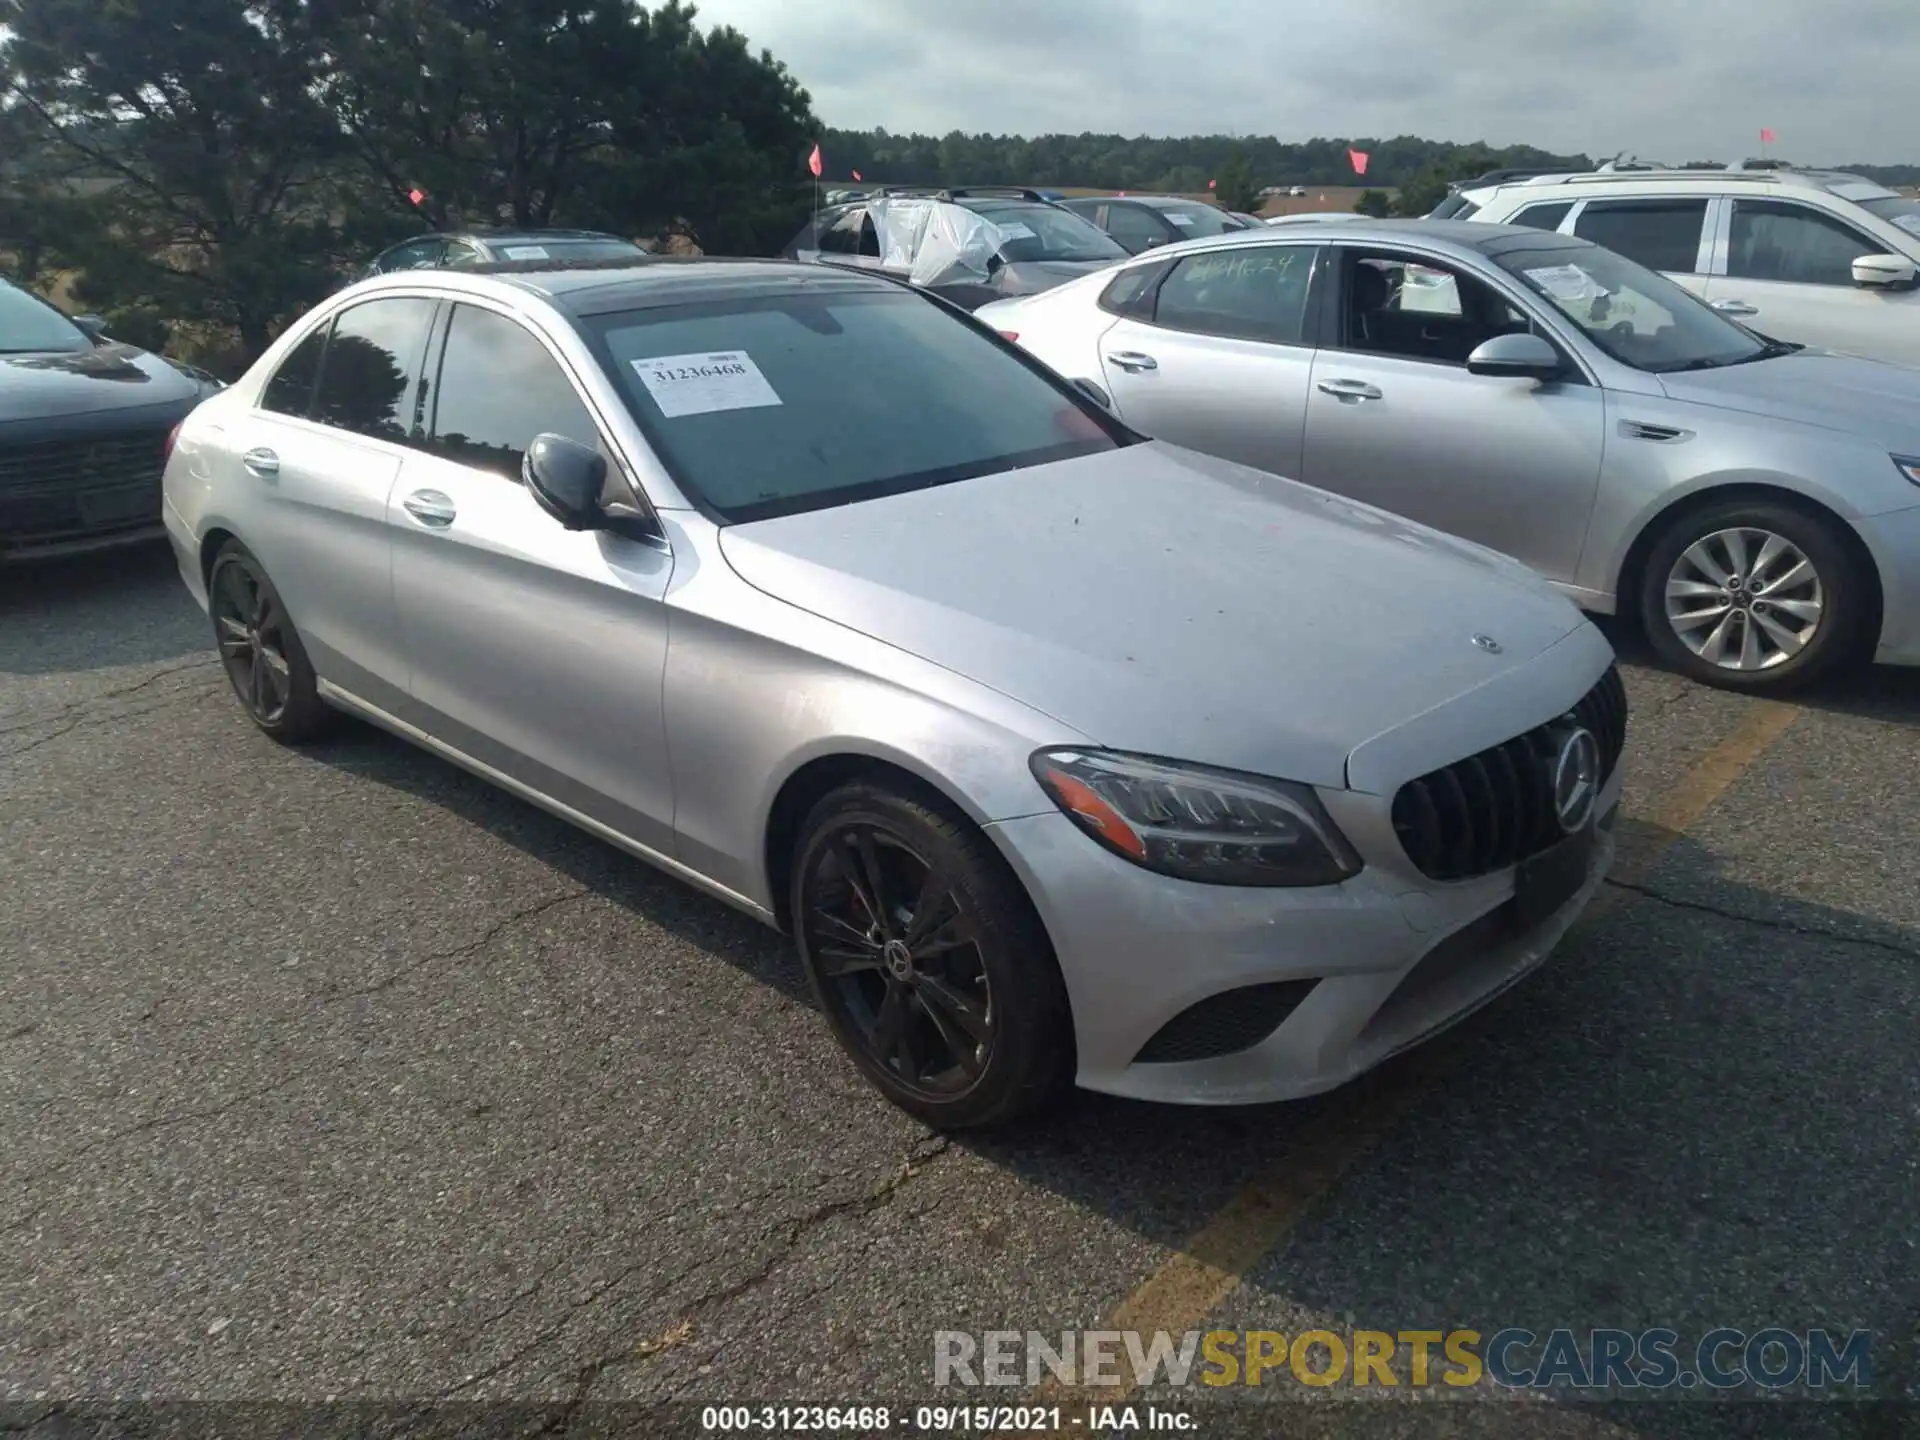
1744	599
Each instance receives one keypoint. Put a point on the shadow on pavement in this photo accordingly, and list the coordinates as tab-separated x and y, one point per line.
97	612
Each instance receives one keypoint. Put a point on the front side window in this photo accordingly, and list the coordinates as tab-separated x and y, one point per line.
1415	310
290	391
371	370
1254	292
1135	227
498	388
773	405
1634	314
1660	234
1777	240
28	325
851	234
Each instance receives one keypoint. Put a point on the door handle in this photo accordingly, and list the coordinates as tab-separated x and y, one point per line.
1735	307
1133	362
1350	389
261	461
432	508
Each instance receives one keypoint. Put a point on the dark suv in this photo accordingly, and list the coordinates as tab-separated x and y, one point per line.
480	247
1042	244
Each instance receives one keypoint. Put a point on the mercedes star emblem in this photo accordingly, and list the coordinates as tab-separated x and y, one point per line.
1576	779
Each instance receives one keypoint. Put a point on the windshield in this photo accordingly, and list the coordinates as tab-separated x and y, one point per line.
774	405
1046	232
1639	318
1898	208
1194	221
28	325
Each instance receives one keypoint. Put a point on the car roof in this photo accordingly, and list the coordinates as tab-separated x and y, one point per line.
1570	184
1459	234
584	288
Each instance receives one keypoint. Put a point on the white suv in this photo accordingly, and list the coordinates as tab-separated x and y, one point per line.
1817	257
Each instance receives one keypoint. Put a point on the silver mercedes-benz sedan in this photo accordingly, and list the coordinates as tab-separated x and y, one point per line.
1756	505
1062	754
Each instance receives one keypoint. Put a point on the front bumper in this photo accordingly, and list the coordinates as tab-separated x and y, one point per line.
1395	964
1894	540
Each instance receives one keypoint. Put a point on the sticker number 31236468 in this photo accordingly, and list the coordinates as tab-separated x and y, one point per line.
703	384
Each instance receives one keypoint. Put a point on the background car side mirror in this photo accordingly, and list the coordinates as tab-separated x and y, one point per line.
1516	357
1884	272
565	479
93	325
1094	393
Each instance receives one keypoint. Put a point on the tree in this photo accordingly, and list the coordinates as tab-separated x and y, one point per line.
1374	203
1236	188
1423	192
196	120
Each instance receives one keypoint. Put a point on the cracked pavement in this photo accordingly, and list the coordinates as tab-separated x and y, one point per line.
335	1073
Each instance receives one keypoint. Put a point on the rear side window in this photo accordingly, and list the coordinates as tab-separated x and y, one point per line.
1660	234
1129	291
1251	293
499	387
290	391
1774	240
1546	217
370	374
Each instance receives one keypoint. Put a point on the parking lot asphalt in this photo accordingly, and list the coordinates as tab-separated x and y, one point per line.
336	1073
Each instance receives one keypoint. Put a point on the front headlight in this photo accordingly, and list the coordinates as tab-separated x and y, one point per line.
1218	827
1908	466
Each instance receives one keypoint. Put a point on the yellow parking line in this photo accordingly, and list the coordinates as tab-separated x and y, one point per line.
1180	1295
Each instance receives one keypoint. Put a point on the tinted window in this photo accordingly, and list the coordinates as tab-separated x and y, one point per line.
1135	227
1773	240
1126	292
1639	317
1543	217
368	375
498	388
28	324
1256	292
772	405
1660	234
290	391
851	234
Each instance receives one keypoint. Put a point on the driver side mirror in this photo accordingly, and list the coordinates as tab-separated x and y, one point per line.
1516	357
1884	272
1094	393
565	479
93	325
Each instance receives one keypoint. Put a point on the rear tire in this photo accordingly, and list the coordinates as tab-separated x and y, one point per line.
1754	596
928	960
261	650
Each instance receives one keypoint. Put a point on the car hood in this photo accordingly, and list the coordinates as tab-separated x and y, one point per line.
1814	387
1157	600
105	377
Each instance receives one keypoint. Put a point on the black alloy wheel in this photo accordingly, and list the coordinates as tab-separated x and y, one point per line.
928	960
260	648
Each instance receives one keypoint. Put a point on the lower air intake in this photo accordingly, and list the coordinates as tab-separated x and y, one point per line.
1224	1024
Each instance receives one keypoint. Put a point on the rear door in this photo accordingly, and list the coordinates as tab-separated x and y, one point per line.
1218	355
1667	233
313	464
1789	274
536	650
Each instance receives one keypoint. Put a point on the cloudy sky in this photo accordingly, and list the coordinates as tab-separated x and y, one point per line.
1670	79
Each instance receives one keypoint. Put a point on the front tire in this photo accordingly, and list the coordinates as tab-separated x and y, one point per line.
928	960
261	650
1754	596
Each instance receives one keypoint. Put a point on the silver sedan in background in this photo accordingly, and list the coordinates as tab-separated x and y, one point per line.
1063	754
1755	504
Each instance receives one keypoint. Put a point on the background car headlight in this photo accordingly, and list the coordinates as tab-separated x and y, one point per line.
1218	827
1909	467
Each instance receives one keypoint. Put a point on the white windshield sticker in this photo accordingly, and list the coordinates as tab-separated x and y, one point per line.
1862	190
1183	221
1013	230
527	252
702	384
1908	223
1566	282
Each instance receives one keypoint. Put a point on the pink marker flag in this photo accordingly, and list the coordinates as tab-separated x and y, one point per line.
856	174
416	195
1359	159
1766	136
1212	183
813	162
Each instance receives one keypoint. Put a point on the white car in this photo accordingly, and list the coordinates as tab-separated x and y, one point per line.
1815	257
